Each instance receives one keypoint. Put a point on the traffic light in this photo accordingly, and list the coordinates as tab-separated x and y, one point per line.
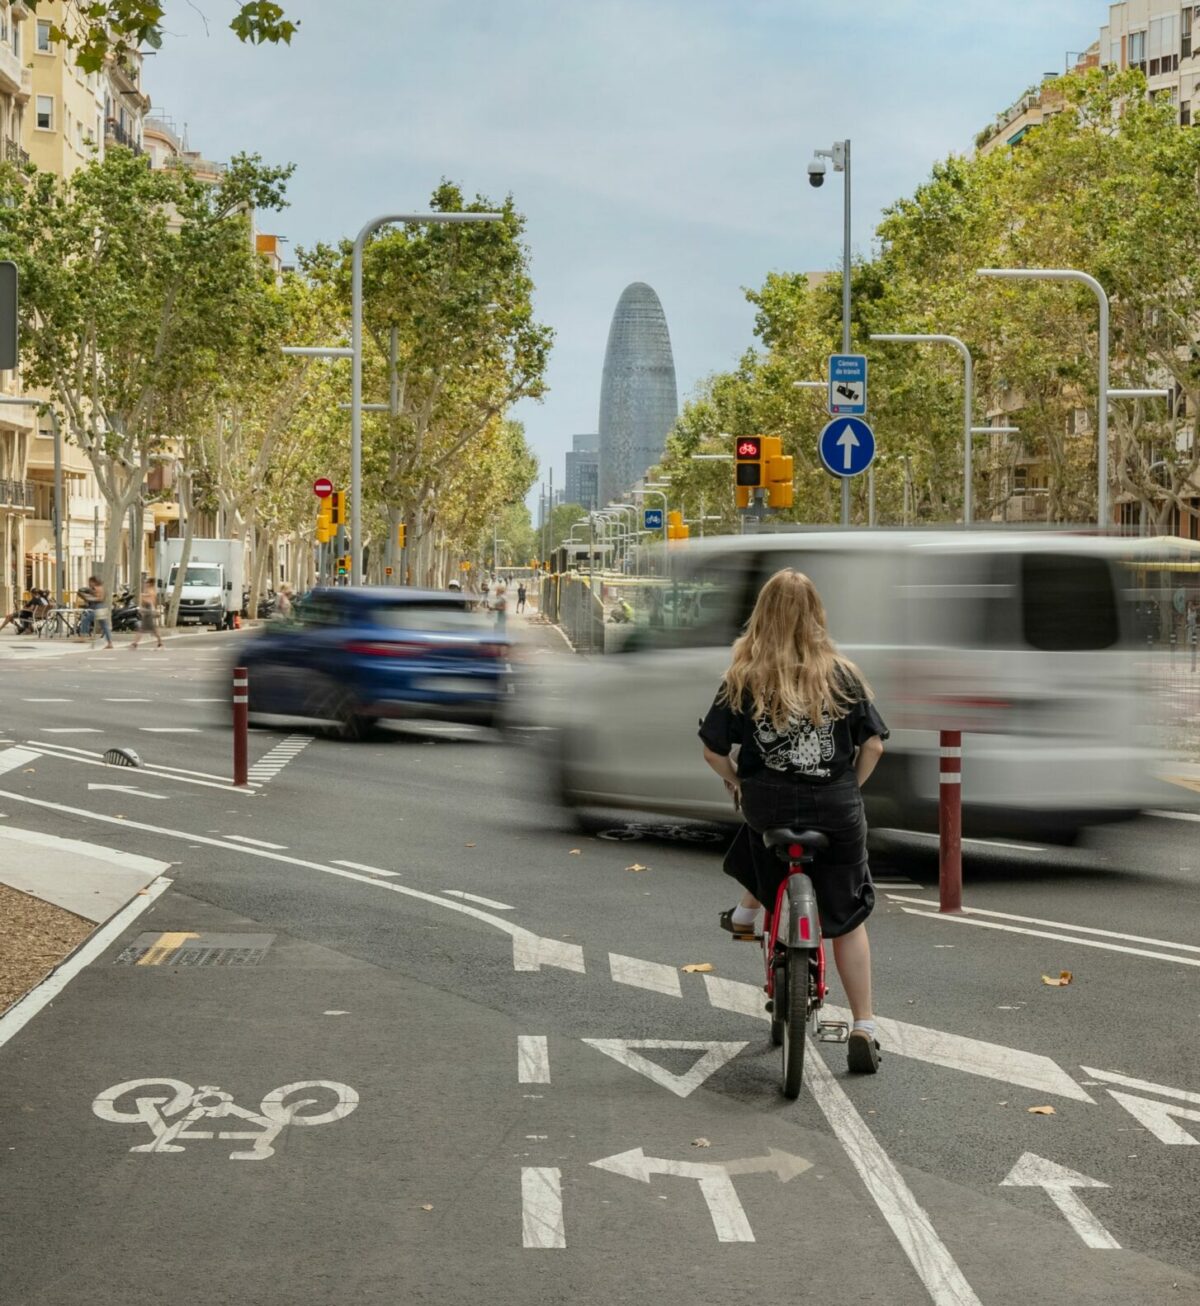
337	508
777	468
748	454
401	534
325	527
343	565
676	530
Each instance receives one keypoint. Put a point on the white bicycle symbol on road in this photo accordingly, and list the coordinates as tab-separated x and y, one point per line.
171	1108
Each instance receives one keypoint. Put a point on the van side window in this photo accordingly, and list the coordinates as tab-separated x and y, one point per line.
706	606
1069	604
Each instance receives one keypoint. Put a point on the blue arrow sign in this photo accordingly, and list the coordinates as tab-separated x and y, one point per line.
847	446
652	519
847	384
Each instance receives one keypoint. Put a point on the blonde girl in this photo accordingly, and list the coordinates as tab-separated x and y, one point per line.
807	735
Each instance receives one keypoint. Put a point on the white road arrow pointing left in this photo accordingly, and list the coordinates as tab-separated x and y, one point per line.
129	789
1033	1171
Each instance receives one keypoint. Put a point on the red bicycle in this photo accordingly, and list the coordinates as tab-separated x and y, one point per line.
794	955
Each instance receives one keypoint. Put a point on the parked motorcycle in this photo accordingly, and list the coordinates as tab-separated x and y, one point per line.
126	614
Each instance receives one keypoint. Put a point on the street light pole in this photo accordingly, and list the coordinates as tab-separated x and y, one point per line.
356	345
968	402
839	153
1102	397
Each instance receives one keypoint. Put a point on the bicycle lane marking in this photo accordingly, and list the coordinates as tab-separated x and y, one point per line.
928	1255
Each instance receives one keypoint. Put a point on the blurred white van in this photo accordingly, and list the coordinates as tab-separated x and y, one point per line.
1021	641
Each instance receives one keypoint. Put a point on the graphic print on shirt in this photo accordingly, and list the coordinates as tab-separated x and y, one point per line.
802	746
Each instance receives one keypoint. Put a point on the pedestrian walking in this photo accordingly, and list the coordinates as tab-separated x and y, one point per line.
521	595
97	602
284	606
499	605
808	736
148	614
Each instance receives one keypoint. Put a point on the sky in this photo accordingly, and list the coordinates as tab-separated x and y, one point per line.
664	141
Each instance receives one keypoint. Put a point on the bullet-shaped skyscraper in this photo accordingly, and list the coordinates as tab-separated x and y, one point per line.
638	399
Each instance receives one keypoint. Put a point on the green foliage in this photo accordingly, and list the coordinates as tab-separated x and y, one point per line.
115	28
1109	186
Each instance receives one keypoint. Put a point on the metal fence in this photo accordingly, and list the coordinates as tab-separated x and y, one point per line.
17	494
1174	675
569	601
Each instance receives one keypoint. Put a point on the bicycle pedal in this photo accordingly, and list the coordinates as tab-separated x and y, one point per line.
747	938
833	1031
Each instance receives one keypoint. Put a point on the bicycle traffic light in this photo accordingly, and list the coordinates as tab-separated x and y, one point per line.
337	508
748	454
777	473
676	530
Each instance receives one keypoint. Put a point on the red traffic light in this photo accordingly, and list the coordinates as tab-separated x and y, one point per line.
749	447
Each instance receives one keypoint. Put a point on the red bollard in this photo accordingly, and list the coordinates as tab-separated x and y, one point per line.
950	821
241	724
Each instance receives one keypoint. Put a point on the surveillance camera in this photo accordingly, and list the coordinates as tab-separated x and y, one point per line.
816	172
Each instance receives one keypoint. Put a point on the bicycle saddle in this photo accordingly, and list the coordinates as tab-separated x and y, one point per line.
783	839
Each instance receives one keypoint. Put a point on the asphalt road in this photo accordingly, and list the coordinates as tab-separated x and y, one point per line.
471	1059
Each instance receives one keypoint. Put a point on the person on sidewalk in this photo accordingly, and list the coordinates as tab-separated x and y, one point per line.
148	615
499	605
521	595
97	602
808	736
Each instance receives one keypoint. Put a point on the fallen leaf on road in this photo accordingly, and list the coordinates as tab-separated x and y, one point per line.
701	1142
576	852
468	845
698	967
1064	978
637	866
29	770
427	1207
1040	1110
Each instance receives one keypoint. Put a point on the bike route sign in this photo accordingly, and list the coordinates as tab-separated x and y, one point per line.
847	446
847	385
652	519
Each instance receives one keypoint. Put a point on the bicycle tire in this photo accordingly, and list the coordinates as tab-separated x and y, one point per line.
795	1020
779	1003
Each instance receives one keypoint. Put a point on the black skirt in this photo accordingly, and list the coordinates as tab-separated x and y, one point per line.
840	875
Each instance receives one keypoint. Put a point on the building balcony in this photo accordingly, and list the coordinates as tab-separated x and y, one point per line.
11	70
115	134
13	153
17	494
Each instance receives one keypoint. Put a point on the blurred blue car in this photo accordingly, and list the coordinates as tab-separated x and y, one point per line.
350	657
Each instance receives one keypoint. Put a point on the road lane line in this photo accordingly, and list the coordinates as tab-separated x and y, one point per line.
373	870
258	843
530	951
653	975
533	1059
169	730
21	1013
474	897
47	700
914	1231
1059	925
541	1207
1050	934
127	700
1127	1081
936	1046
12	758
1176	816
148	766
69	730
57	750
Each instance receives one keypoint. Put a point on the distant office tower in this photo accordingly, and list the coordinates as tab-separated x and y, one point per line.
638	401
583	471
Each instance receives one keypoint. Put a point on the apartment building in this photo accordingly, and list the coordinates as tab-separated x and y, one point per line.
16	423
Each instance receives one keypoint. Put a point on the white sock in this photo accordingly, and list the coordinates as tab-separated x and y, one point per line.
745	915
868	1025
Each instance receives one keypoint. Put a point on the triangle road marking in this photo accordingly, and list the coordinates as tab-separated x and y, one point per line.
625	1051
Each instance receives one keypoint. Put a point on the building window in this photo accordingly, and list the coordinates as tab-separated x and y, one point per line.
45	113
1137	50
1020	478
1185	33
1185	114
43	37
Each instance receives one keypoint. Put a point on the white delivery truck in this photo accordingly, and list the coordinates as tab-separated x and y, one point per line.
212	583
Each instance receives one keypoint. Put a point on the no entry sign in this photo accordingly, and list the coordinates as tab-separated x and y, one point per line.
323	487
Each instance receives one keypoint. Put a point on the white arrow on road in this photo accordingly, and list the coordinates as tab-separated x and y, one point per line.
724	1206
847	442
1033	1171
129	789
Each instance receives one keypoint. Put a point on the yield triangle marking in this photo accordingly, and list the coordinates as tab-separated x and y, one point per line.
624	1050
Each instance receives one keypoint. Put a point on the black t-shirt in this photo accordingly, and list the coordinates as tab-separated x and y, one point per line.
817	754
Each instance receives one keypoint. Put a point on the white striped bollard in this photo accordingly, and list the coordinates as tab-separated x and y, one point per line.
241	724
950	821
